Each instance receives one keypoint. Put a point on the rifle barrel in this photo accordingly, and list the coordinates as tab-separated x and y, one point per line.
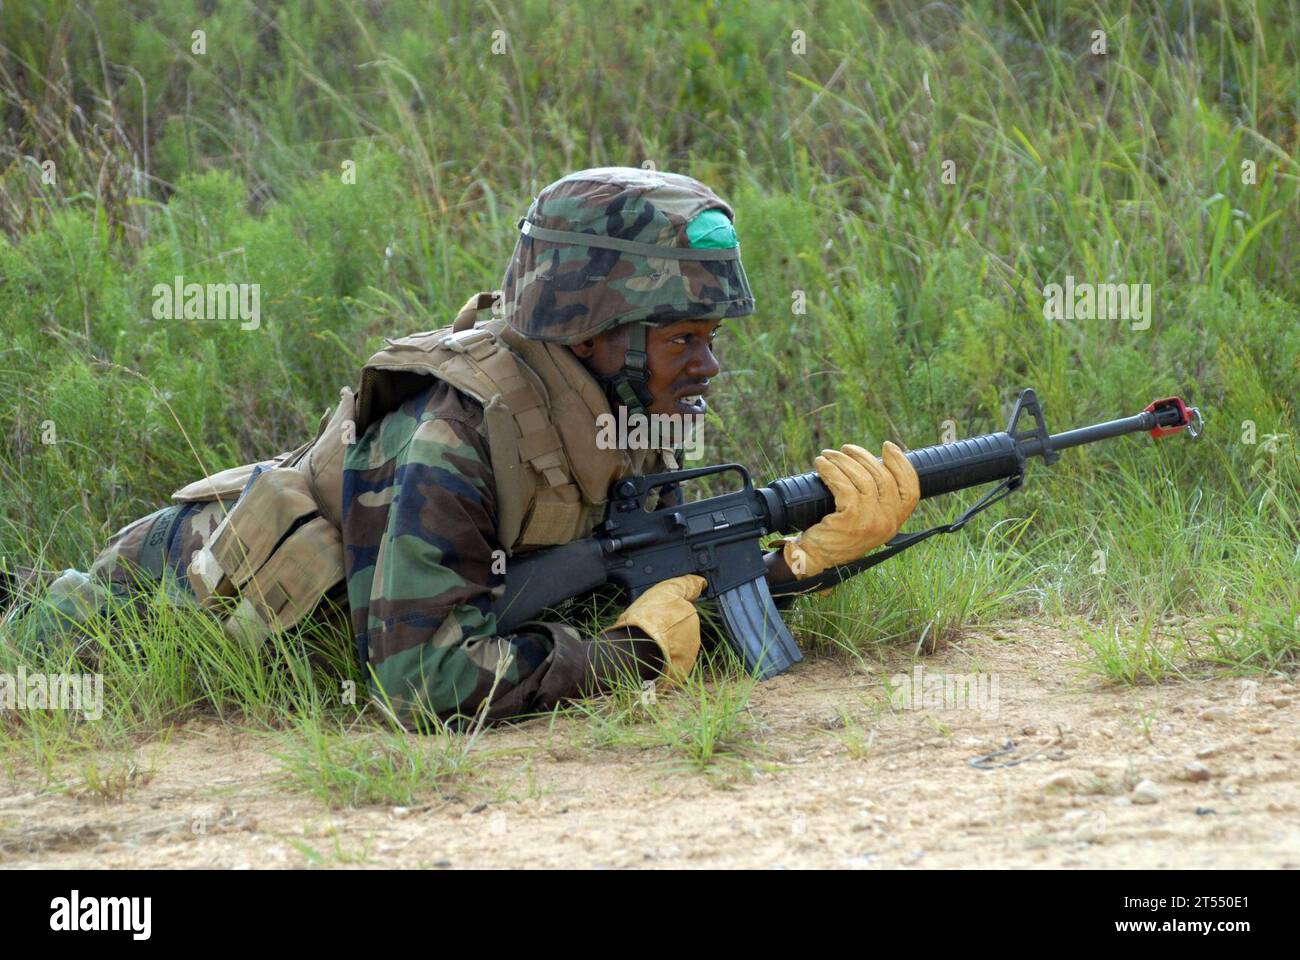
1033	447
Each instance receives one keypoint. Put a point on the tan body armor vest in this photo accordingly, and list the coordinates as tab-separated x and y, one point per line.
279	550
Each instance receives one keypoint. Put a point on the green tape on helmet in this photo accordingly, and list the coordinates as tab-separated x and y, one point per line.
712	230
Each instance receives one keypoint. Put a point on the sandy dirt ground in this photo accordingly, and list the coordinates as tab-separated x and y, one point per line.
843	777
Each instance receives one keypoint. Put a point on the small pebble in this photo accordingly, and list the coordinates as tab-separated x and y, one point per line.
1196	772
1061	780
1214	714
1146	792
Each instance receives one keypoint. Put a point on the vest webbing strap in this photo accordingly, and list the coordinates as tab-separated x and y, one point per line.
538	444
468	314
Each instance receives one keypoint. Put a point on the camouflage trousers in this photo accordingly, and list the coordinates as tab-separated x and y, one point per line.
156	549
164	542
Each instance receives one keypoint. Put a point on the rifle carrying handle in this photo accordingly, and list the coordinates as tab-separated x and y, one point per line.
796	503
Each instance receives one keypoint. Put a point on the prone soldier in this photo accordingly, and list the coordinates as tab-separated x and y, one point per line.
473	443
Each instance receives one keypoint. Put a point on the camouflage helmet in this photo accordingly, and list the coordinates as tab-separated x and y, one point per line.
610	246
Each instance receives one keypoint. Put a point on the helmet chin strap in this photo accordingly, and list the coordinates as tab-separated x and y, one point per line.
630	387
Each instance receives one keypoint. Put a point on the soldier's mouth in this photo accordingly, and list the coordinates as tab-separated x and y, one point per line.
693	404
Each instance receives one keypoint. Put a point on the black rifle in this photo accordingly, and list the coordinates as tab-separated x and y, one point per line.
719	537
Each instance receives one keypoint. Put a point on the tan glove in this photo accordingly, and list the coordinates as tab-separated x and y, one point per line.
871	502
666	614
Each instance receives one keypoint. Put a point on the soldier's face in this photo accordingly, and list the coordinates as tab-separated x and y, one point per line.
681	360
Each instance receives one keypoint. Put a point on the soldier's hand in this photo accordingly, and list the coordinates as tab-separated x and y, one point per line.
872	500
666	614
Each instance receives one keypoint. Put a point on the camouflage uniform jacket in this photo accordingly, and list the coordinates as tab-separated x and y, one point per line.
420	542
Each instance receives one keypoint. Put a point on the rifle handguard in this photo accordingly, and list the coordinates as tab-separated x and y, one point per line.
796	503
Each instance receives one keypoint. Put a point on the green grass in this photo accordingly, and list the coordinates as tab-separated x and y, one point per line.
162	663
923	299
336	853
702	723
347	767
924	595
1133	653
